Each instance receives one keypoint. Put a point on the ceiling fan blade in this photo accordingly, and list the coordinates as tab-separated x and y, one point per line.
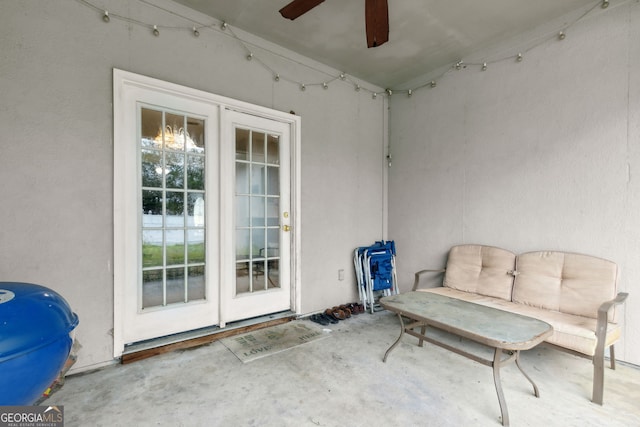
298	7
377	20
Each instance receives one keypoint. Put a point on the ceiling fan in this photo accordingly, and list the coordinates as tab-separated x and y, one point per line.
376	17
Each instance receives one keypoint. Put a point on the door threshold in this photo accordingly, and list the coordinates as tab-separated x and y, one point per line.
190	339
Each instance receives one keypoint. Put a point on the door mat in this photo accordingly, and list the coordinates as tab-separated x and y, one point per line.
265	342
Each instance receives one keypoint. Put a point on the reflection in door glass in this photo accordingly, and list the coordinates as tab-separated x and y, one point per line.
172	169
257	211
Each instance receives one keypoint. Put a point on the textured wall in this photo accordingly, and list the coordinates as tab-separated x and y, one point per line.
56	154
532	155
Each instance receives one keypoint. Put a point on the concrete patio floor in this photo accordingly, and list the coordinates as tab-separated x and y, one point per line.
341	381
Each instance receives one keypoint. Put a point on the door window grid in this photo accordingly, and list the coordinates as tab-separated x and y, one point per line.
257	211
172	193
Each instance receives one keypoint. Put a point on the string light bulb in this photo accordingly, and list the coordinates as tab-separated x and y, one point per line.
433	83
605	4
519	57
325	86
223	26
342	76
389	92
250	56
196	33
374	95
562	35
106	17
156	32
357	88
303	87
409	93
276	77
484	66
458	65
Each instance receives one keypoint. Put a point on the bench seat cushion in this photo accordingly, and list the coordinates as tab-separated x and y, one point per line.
565	282
570	331
484	270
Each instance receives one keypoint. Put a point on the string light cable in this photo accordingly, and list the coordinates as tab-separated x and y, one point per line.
222	28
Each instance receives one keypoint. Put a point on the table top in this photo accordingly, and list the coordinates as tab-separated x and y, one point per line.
486	325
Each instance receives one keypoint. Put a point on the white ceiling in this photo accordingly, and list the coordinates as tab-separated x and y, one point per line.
424	35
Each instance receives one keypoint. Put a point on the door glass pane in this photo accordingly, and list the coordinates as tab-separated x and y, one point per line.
174	170
152	246
242	144
195	246
175	285
242	178
273	257
273	180
195	284
172	206
273	148
174	138
242	211
258	147
257	212
257	179
195	172
152	168
175	247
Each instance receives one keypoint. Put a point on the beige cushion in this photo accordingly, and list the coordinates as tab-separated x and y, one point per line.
569	331
565	282
483	270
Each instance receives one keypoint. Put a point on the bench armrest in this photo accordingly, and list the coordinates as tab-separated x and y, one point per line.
421	272
603	317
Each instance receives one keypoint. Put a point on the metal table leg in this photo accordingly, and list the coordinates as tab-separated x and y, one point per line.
497	361
384	359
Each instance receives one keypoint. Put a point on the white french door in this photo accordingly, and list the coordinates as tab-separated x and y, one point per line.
202	210
257	180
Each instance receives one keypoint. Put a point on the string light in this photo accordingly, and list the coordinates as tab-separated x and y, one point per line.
459	65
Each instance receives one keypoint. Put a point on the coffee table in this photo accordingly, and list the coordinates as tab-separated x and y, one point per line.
506	333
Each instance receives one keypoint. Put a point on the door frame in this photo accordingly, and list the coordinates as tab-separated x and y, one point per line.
122	82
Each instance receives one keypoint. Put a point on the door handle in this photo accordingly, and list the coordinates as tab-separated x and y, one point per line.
286	228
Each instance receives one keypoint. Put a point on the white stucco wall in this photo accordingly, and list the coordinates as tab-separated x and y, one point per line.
56	149
541	154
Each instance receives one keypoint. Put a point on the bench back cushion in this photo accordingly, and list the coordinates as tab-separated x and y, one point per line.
566	282
479	269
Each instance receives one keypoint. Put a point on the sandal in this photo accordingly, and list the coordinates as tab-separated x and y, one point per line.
319	319
347	310
337	313
329	316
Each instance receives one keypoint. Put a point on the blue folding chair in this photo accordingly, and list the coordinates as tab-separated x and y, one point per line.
376	272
